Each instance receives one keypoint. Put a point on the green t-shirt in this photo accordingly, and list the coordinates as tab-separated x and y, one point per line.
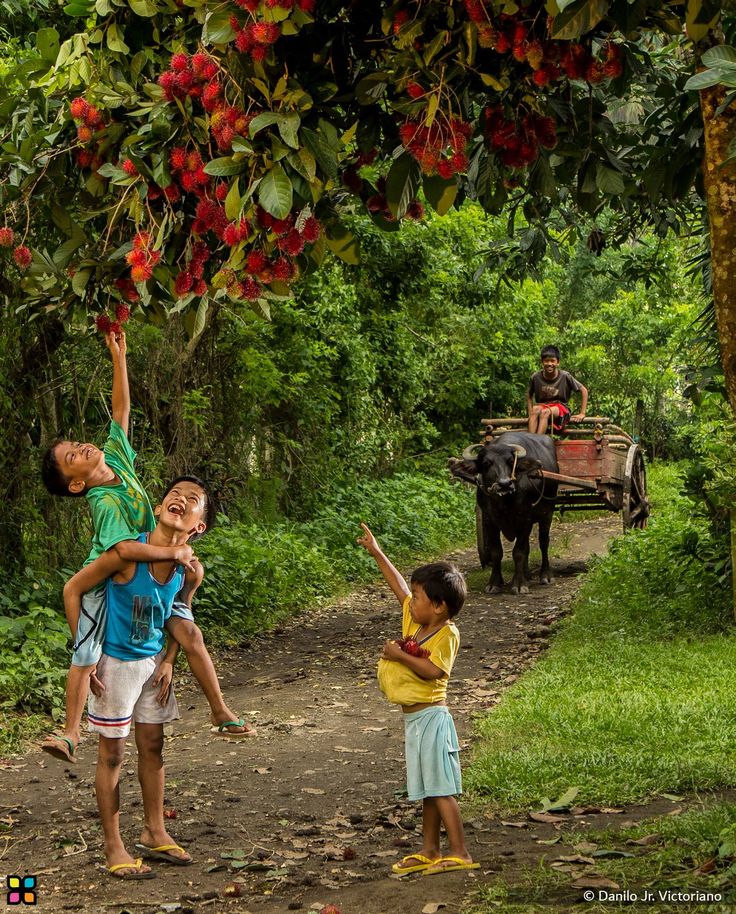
123	511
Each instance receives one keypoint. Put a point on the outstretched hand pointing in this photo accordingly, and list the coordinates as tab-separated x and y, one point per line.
368	540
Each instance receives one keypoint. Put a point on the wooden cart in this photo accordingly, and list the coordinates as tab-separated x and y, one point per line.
600	467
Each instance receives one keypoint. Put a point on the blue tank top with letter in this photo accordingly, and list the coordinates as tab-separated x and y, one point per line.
137	612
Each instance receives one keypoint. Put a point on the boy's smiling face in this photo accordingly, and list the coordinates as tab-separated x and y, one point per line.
183	508
550	365
77	461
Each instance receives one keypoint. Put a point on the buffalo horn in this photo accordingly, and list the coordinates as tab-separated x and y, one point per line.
520	451
471	452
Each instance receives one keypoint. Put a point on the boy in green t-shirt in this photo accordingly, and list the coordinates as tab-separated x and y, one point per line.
121	511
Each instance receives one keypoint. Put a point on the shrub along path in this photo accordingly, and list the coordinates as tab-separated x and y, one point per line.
307	812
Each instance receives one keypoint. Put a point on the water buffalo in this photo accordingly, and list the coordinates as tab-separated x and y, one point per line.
512	497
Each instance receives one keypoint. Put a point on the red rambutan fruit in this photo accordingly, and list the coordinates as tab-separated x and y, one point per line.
7	236
103	323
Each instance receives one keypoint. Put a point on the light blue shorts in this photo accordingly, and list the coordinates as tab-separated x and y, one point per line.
180	610
432	754
91	627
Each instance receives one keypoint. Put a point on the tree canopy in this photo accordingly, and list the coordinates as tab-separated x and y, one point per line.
169	155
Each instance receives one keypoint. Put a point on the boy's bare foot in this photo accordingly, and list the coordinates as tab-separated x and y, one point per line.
228	724
61	746
160	845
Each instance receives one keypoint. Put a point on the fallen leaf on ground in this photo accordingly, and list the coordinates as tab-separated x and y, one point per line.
595	882
261	770
433	907
609	852
314	790
373	729
515	824
546	818
647	839
575	858
675	812
550	841
708	867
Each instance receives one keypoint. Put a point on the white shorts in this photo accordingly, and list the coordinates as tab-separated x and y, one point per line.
129	695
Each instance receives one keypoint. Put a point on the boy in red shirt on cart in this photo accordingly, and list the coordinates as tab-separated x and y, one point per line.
551	388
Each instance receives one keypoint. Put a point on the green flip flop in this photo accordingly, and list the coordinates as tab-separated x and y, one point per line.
222	729
64	753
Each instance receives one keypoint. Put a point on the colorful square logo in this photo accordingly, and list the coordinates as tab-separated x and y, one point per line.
22	890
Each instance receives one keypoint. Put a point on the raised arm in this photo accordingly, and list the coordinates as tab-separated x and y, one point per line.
85	580
389	572
116	343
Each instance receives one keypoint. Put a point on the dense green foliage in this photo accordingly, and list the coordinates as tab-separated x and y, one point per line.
628	702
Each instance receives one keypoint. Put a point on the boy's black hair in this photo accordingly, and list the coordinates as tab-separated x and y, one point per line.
551	350
53	476
210	509
443	582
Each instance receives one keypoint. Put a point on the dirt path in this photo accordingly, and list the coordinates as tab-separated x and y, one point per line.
309	812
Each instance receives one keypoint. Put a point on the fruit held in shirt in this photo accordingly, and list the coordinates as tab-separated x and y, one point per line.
412	647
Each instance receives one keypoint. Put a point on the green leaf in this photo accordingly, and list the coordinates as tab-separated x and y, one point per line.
579	17
79	281
115	40
145	8
431	50
720	55
232	202
194	321
402	184
440	193
321	147
609	181
266	119
705	79
371	88
289	128
223	167
343	243
47	42
217	28
275	193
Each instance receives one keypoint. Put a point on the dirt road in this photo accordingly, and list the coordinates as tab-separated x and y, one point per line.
309	812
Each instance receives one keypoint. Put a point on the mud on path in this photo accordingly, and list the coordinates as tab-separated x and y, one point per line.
309	812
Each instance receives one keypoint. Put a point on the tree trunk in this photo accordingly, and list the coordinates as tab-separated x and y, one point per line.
720	189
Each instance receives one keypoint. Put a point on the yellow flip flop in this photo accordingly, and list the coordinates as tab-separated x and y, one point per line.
455	863
135	867
162	853
405	870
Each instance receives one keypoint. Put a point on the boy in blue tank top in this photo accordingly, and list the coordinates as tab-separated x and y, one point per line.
135	673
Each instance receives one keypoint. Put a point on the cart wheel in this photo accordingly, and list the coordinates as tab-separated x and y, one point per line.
636	504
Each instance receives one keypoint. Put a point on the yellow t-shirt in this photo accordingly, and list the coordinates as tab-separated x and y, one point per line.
401	685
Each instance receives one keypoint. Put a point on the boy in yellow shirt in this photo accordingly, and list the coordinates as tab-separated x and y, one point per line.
414	673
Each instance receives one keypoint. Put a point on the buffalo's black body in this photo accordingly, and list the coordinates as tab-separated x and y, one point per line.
512	497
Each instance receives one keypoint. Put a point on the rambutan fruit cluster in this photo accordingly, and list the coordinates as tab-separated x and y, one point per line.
517	142
21	254
105	325
255	38
142	259
191	278
525	40
88	119
188	76
412	647
126	288
227	122
439	149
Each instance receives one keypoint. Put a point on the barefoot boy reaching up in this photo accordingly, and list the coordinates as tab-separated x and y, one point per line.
414	673
135	674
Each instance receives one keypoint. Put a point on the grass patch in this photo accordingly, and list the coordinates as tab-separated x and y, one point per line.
635	695
683	844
